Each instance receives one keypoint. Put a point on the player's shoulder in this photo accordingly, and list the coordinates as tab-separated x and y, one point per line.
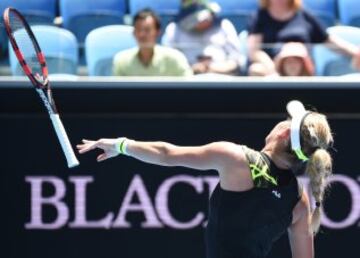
229	149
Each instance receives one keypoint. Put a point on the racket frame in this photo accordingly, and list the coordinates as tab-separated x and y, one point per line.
40	86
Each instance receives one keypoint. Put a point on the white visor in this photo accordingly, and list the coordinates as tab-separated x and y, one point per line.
297	112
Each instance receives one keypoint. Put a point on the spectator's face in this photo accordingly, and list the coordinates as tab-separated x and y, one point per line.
203	25
280	3
206	20
293	66
146	32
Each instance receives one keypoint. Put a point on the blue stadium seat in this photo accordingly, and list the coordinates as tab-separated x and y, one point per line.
349	13
243	37
80	16
59	46
238	12
166	9
324	10
35	12
102	44
3	42
330	63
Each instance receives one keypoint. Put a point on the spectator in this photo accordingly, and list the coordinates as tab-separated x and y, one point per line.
150	59
210	44
294	60
281	21
1	48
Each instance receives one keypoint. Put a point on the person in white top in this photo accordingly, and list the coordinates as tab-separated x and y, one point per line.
210	44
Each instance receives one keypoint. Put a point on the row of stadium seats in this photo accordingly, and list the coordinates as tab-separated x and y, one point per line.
61	50
81	16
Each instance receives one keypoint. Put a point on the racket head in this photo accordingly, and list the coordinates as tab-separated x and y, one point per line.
26	48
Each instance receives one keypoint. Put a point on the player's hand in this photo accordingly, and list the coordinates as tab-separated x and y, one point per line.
107	145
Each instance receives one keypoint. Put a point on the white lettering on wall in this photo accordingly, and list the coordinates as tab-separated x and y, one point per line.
80	220
38	201
162	201
156	212
145	206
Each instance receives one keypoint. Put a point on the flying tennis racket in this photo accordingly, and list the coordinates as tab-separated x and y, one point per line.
33	63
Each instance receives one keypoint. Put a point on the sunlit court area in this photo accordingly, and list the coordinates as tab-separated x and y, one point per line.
180	128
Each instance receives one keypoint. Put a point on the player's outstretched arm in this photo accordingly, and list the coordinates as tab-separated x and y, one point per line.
216	155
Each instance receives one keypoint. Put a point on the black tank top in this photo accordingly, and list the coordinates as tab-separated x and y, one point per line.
246	224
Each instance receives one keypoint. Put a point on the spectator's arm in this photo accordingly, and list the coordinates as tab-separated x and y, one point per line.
235	59
224	67
168	39
256	54
345	47
338	44
232	50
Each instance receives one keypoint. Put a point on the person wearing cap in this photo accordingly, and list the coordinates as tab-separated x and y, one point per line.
210	44
281	21
294	60
149	58
258	198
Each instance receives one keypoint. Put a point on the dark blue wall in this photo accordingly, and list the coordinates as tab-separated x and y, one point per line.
242	113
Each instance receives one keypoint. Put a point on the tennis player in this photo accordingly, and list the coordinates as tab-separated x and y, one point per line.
258	197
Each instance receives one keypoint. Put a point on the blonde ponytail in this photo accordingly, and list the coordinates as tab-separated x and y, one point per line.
319	168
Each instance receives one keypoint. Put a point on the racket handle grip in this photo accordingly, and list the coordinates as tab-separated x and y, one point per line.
64	141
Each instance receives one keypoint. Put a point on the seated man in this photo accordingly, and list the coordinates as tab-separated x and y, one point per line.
210	44
149	59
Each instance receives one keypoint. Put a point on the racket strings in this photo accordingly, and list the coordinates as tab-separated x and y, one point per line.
26	46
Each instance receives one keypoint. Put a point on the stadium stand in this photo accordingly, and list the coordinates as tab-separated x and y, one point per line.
238	12
324	10
81	16
35	12
330	63
102	44
59	46
349	13
92	21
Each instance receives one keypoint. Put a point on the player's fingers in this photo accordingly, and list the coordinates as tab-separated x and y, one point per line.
102	157
87	141
79	146
88	147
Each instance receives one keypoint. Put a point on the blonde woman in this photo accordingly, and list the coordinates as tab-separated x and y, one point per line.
258	197
281	21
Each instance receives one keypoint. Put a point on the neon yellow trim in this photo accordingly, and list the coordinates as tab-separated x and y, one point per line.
301	155
122	146
261	172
